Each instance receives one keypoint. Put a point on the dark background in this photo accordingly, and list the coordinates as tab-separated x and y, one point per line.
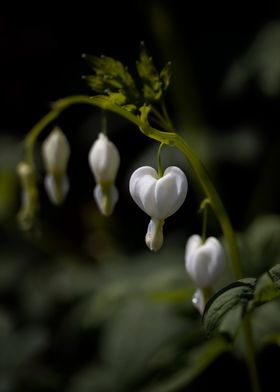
231	119
41	49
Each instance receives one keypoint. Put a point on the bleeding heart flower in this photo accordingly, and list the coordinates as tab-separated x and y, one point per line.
159	197
104	161
204	261
56	153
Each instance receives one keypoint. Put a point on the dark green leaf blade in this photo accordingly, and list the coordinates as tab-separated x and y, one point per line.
227	305
267	287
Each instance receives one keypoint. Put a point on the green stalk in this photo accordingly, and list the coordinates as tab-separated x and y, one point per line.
171	139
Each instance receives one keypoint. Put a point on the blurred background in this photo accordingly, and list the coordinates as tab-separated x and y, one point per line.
84	305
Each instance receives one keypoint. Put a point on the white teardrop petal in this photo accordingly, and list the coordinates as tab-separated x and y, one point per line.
56	190
154	236
204	262
56	152
106	199
104	160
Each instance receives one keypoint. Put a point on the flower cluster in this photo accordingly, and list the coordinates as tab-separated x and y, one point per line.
158	194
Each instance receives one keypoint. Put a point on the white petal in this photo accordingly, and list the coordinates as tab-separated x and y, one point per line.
193	243
107	199
56	191
56	152
204	262
198	301
104	160
158	197
170	192
141	180
154	236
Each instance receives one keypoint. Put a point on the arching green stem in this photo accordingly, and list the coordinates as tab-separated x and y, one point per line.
171	139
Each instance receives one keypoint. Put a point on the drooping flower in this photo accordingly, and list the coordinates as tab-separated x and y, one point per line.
159	197
204	261
56	153
104	161
29	205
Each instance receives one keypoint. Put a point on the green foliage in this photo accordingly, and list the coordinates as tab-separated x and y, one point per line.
154	83
110	75
112	79
228	307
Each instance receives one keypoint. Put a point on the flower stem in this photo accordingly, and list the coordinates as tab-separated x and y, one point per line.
159	165
171	139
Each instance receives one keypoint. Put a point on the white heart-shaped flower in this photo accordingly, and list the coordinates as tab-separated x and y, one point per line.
204	261
159	197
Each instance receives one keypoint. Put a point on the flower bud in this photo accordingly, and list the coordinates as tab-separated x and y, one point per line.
56	188
29	205
104	161
56	152
159	197
106	198
204	261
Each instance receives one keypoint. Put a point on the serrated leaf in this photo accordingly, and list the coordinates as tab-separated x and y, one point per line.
110	75
130	108
233	298
152	83
165	75
117	98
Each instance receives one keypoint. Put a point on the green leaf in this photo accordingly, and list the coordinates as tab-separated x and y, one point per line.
109	76
274	274
117	98
130	108
227	308
152	83
224	311
267	287
165	75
